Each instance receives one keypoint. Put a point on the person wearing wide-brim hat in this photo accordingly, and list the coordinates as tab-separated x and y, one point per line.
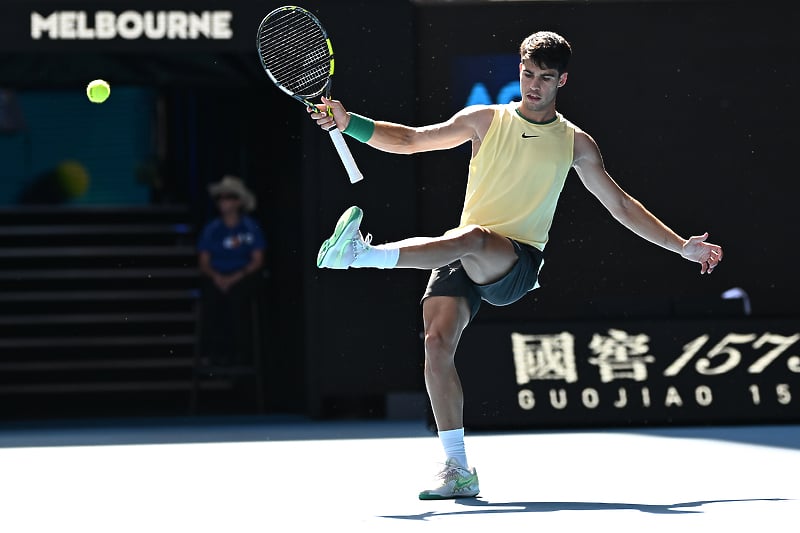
231	185
230	256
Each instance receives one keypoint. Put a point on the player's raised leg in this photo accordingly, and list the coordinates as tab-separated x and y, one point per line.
486	256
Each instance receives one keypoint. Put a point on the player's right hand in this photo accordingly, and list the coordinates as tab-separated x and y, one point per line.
330	113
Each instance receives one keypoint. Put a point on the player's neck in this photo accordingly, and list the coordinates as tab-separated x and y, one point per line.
540	116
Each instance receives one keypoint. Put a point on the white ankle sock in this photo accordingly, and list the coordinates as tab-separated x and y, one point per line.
453	443
378	256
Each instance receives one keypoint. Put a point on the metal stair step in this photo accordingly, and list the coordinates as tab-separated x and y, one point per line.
96	364
41	296
98	273
69	342
90	387
25	252
52	230
96	318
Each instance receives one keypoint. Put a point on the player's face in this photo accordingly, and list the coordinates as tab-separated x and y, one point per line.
538	87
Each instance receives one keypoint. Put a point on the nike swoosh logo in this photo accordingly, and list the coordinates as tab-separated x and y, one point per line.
464	482
528	136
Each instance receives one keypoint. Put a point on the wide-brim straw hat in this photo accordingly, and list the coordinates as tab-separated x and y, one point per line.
234	185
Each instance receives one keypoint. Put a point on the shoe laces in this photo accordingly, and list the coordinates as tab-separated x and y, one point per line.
451	472
360	244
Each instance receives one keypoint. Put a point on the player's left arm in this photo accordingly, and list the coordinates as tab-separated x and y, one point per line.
588	163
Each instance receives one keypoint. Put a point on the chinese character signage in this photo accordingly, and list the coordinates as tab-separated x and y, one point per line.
630	373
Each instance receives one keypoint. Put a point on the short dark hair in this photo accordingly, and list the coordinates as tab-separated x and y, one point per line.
547	49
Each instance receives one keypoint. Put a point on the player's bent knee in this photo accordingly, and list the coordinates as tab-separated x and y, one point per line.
474	238
438	349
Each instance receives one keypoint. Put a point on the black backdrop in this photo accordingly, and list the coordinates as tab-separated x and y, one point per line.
222	115
692	104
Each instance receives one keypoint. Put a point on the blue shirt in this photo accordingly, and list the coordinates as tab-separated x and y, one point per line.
231	249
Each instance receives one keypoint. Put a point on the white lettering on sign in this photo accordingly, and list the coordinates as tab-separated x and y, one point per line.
591	398
132	25
544	357
725	355
620	355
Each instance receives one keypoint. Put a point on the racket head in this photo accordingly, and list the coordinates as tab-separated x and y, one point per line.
296	53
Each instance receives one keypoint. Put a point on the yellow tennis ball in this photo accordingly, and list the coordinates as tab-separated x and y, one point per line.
98	91
72	178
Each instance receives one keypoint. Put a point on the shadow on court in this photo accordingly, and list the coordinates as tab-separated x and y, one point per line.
478	506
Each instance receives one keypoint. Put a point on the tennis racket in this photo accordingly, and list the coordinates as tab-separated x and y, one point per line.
296	53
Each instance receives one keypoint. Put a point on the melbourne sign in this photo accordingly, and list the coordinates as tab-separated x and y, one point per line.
631	372
131	24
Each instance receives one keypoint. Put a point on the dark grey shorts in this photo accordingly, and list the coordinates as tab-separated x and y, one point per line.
451	280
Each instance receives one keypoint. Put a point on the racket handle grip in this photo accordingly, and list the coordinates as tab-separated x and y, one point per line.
344	154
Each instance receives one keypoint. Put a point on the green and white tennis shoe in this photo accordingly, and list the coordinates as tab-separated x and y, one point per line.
456	482
344	246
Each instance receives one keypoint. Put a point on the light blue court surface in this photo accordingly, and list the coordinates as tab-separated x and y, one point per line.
282	475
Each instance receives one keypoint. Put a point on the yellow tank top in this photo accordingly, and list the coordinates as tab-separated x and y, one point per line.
517	175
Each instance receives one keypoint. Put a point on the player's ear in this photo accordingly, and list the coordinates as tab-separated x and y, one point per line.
562	79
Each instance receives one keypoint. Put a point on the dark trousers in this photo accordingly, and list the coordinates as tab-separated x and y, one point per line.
227	321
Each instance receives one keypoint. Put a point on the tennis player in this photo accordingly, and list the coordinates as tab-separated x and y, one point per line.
521	155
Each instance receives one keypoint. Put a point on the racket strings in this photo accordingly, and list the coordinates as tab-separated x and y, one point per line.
293	48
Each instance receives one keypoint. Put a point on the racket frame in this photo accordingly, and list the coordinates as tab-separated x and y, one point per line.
353	172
